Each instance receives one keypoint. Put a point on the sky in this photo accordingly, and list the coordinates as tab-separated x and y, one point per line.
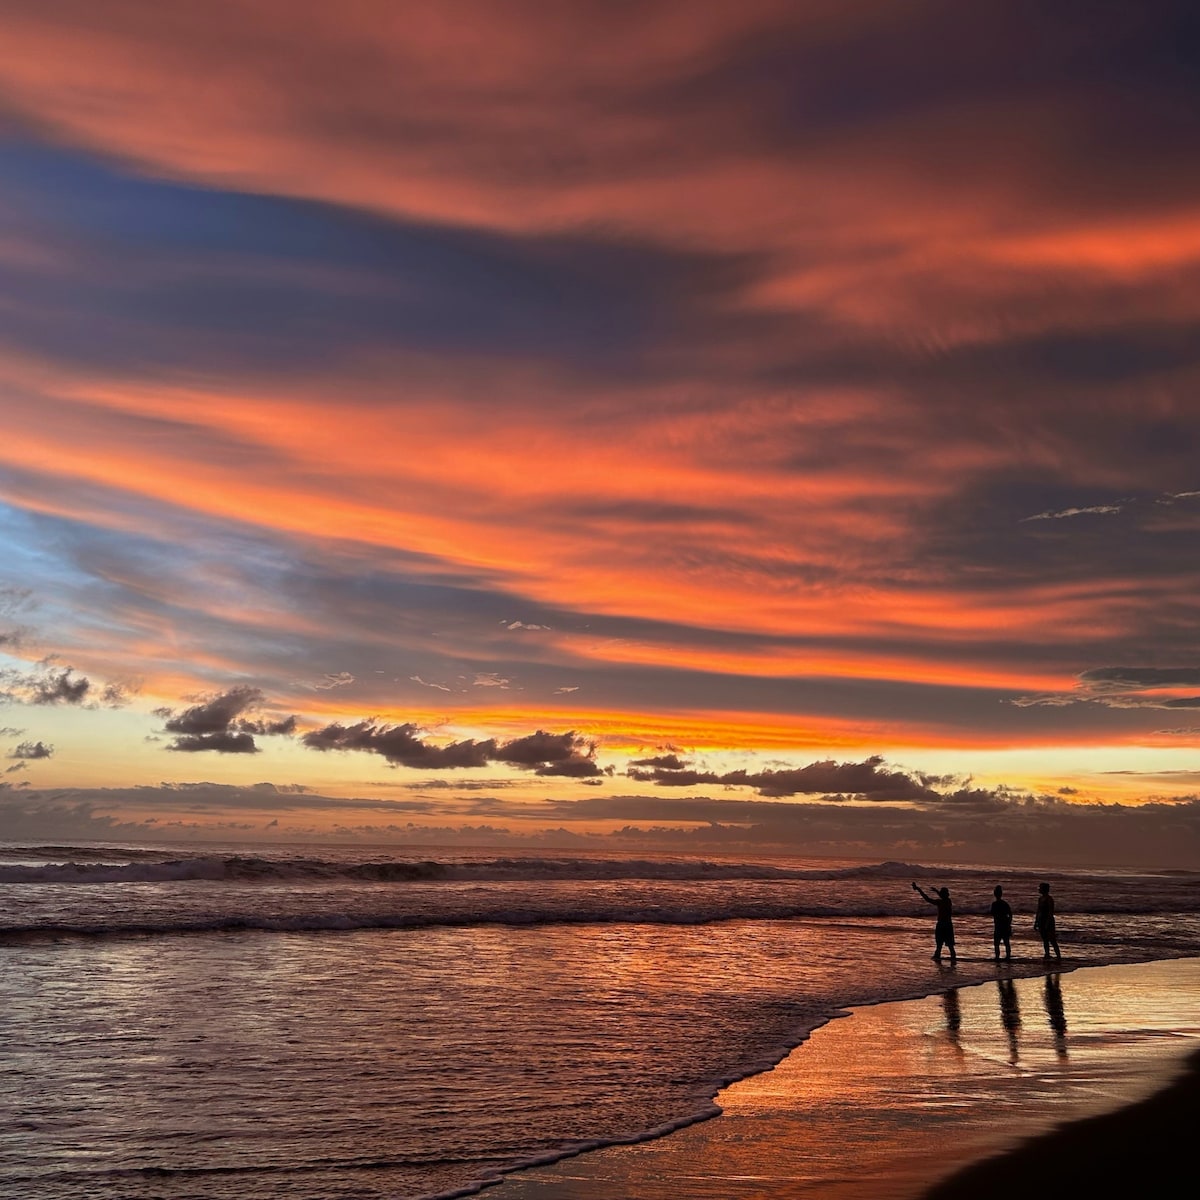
758	424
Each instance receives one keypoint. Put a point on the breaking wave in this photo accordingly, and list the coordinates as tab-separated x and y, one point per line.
88	866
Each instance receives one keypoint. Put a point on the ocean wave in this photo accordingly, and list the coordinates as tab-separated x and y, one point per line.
218	868
83	865
513	915
91	866
1169	932
69	853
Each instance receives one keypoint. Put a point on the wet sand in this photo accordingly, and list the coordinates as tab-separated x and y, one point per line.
892	1102
1152	1141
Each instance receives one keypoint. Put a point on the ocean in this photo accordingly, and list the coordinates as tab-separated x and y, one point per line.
326	1022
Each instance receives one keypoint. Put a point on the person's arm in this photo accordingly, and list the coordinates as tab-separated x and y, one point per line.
921	892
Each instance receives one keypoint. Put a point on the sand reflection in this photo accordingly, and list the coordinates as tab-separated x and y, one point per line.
1010	1016
1056	1013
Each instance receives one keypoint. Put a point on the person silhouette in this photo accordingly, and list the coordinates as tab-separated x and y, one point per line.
1043	922
943	931
1002	918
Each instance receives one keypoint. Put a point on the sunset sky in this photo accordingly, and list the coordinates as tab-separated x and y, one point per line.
469	419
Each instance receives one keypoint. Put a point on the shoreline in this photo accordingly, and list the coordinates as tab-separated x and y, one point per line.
1031	967
898	1099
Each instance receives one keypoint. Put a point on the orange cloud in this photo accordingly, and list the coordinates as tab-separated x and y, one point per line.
849	305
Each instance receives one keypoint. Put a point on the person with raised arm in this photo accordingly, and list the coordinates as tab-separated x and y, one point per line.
943	931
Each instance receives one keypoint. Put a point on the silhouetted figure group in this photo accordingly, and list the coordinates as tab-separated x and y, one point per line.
1002	921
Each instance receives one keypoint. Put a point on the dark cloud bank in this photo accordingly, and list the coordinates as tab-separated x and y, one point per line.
964	825
231	721
561	754
866	780
222	723
32	750
45	684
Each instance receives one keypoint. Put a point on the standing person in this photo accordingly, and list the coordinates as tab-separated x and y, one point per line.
1001	923
1043	922
943	931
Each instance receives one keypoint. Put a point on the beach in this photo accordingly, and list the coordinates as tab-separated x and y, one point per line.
327	1024
570	572
983	1091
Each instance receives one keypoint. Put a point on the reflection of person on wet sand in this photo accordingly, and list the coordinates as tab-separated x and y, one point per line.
953	1013
1055	1013
1010	1014
1043	922
943	931
1001	923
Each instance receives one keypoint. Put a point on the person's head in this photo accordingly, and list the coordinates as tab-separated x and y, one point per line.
944	893
997	891
1044	888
